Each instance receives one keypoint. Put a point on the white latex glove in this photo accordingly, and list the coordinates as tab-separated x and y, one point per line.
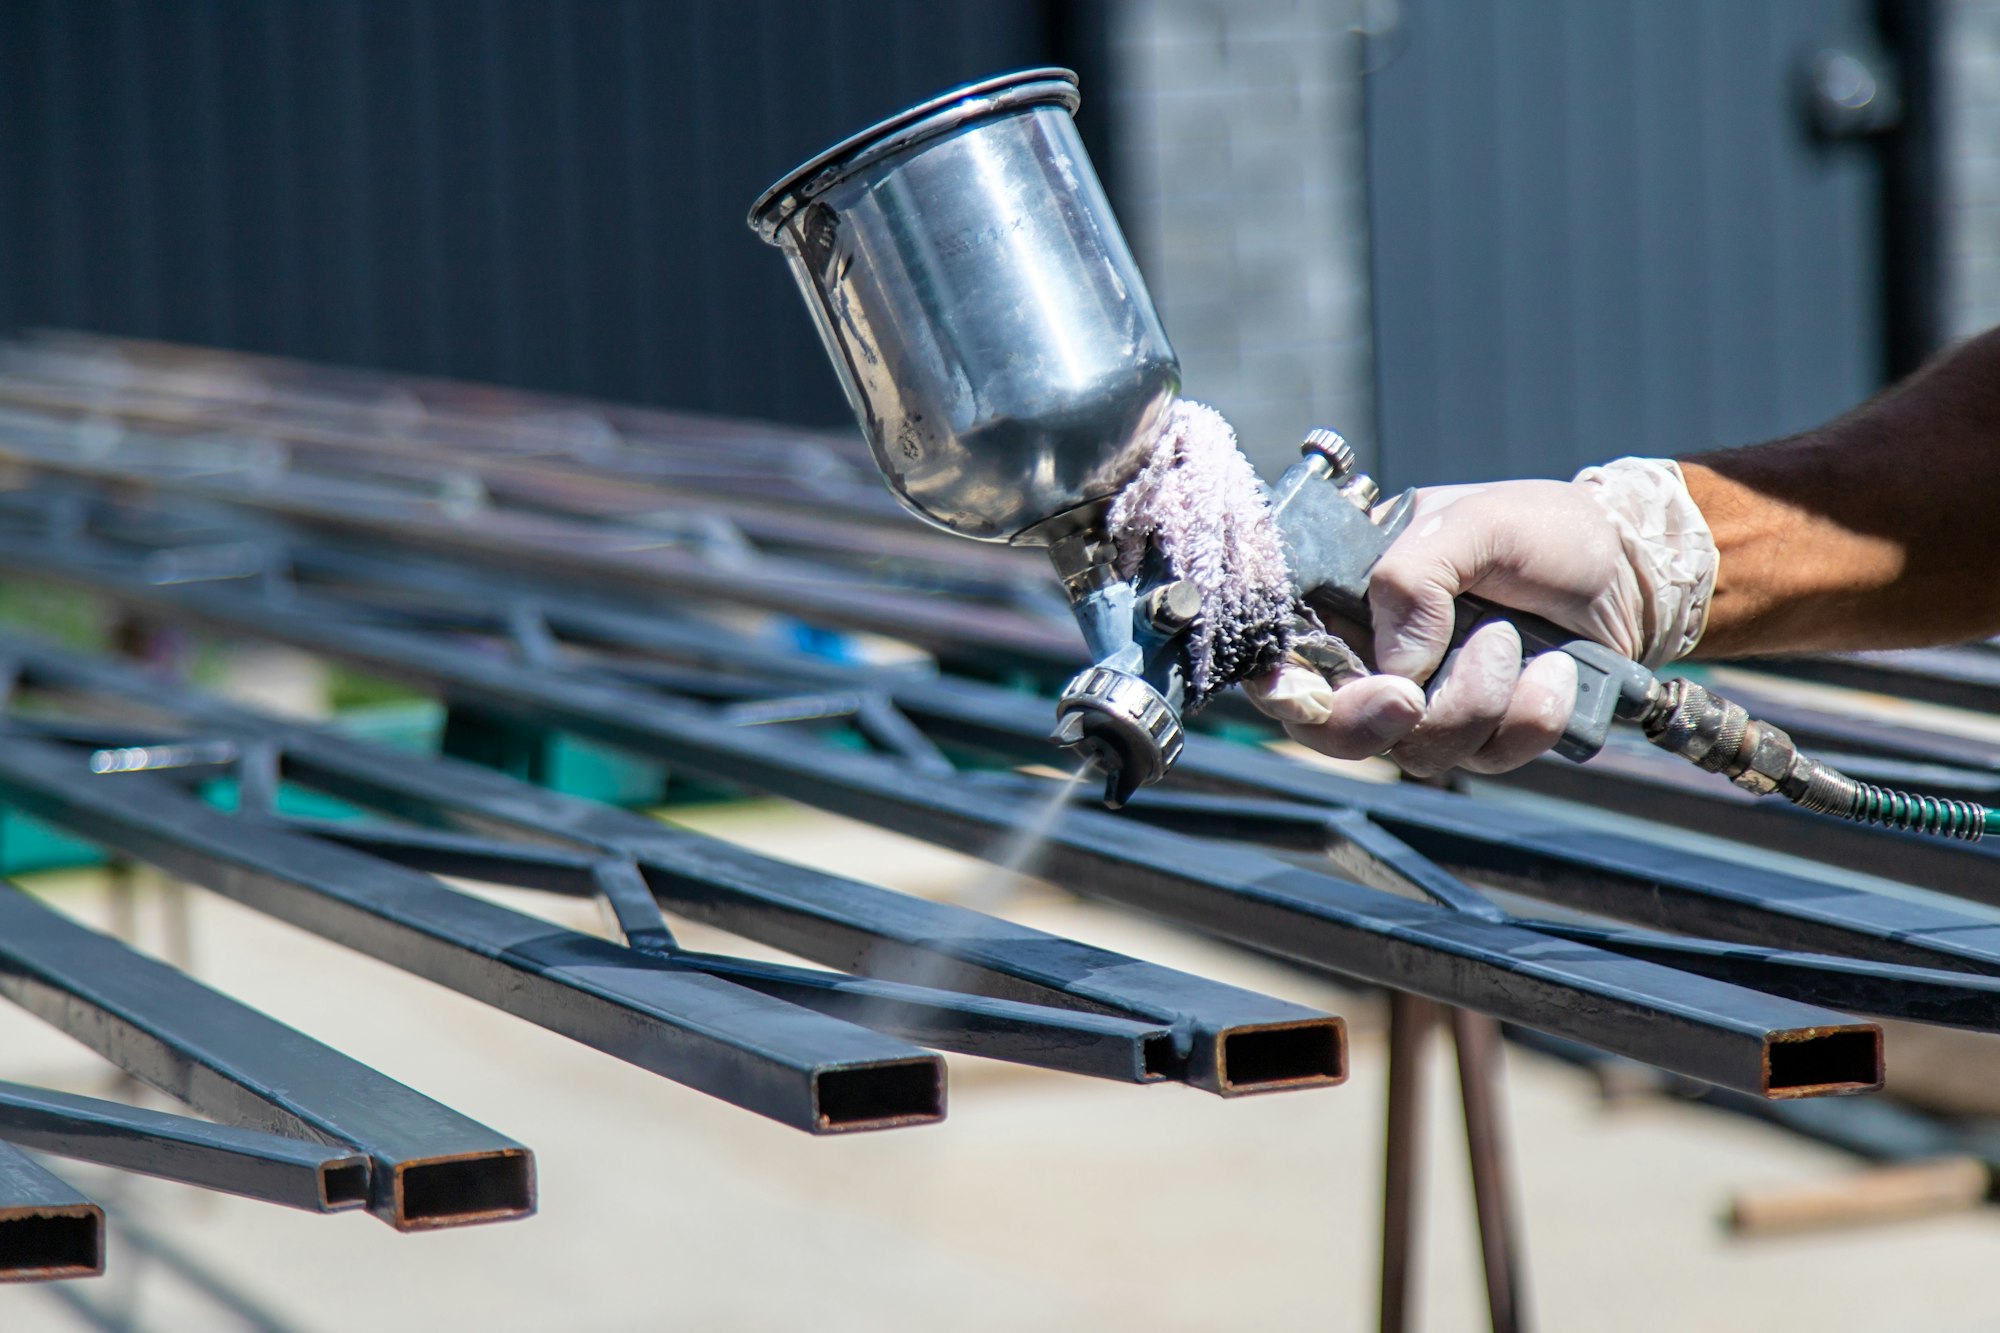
1620	555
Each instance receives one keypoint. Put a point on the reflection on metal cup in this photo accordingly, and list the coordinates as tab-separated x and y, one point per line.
981	306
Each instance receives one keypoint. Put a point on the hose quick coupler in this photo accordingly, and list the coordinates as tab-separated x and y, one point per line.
1713	733
1721	737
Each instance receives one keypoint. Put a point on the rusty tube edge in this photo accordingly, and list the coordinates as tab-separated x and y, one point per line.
878	1094
1827	1061
465	1189
1270	1057
51	1242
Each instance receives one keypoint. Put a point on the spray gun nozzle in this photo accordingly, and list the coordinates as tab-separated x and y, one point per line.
1120	726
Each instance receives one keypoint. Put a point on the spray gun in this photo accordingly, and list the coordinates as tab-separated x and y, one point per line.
1008	369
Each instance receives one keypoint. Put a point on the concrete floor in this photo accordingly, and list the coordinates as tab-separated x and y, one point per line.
1045	1201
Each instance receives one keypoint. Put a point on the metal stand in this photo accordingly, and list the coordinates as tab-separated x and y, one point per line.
1477	1037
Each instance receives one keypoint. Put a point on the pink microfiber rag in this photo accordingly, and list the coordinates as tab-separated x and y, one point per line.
1199	503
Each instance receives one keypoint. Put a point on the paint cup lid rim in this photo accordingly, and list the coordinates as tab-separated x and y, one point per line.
906	129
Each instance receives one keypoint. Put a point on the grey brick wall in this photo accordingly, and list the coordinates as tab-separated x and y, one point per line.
1972	165
1240	165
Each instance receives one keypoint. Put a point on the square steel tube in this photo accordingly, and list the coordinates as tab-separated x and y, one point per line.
48	1232
430	1166
796	1066
297	1173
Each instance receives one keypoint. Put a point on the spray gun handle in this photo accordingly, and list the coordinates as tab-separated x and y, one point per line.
1608	683
1334	533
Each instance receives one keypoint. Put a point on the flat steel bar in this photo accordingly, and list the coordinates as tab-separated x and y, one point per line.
795	1066
430	1166
622	888
48	1232
1363	850
1708	1030
1269	1044
297	1173
561	870
1070	1040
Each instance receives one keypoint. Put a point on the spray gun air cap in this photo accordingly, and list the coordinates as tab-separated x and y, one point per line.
976	296
1121	726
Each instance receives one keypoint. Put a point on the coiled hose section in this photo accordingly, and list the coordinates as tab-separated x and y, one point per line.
1920	814
1829	791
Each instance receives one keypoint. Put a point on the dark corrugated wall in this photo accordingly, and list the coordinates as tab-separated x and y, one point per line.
1605	228
540	192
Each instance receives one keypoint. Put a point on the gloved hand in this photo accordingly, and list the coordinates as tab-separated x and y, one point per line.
1620	555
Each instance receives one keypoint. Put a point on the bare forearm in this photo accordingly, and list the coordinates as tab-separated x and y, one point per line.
1877	530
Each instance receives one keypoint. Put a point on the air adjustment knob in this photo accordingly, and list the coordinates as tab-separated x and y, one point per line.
1172	607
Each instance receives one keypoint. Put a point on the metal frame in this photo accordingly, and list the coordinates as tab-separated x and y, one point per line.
1711	1030
620	517
592	638
1026	994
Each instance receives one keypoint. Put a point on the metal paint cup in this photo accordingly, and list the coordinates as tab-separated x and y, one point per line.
981	306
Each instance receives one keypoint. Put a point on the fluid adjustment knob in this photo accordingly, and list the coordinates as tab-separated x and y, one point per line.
1327	444
1333	458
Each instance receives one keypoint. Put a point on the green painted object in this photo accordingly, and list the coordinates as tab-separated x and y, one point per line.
565	763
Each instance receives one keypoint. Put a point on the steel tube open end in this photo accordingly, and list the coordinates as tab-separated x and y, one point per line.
883	1094
1281	1057
432	1193
47	1243
344	1183
1823	1061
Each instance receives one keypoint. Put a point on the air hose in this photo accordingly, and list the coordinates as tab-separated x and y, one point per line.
1713	733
